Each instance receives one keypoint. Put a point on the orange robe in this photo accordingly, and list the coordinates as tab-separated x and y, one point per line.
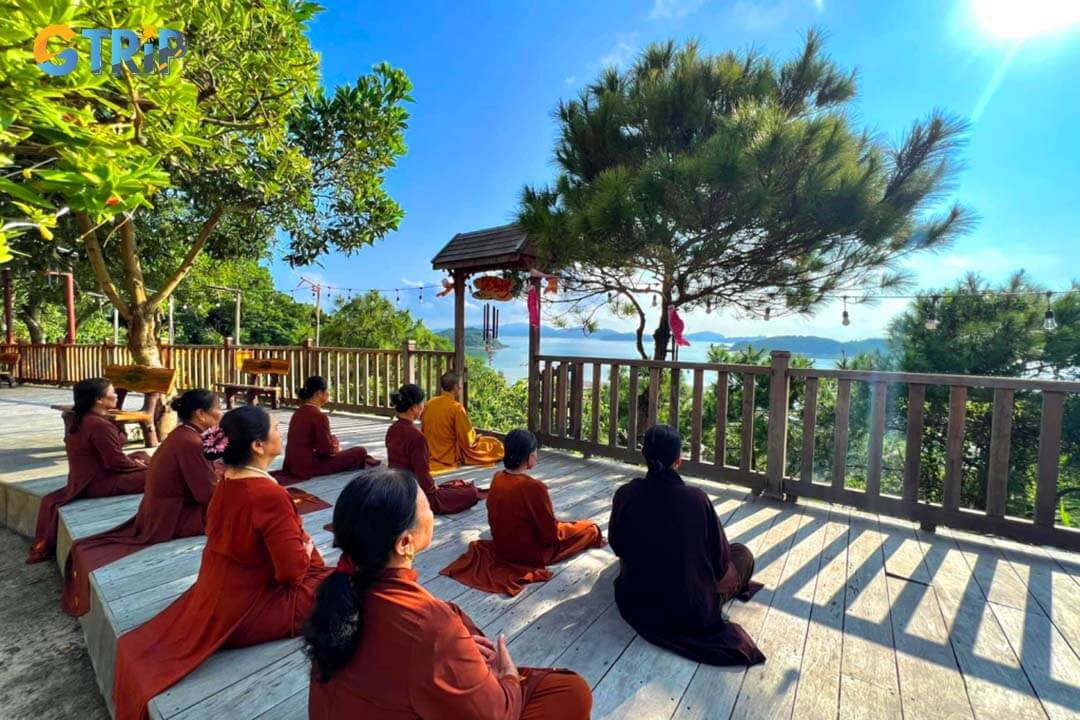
525	537
97	467
256	584
309	450
406	449
179	484
451	438
677	569
417	659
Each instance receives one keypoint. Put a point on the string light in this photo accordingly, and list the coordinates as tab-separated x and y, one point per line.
397	296
654	301
768	313
1050	322
931	315
421	294
846	316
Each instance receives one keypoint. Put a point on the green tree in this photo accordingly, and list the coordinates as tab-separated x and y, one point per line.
730	180
238	133
372	321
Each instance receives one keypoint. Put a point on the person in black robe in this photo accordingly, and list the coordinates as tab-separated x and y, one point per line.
676	567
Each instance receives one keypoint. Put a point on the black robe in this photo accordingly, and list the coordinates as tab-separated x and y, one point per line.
676	570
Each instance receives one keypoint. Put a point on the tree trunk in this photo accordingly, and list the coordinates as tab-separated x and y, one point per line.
662	335
31	317
142	336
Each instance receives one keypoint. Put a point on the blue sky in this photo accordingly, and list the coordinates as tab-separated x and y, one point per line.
488	75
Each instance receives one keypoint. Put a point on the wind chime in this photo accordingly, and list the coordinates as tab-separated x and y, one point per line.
491	328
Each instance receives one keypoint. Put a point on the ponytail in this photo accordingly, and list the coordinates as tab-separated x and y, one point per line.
86	394
373	510
312	385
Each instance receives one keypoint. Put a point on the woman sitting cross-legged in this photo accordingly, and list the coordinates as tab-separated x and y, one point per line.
97	465
407	449
257	579
382	647
676	567
311	448
525	535
179	484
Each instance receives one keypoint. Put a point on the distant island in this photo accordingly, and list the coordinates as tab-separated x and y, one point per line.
474	338
807	345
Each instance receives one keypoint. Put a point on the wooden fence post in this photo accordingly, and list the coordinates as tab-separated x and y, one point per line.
309	356
410	361
231	371
776	459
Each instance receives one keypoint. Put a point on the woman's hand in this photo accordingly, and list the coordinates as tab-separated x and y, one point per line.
309	547
504	664
487	650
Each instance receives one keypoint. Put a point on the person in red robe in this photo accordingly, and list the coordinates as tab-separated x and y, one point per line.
676	567
382	647
179	483
97	465
407	449
525	534
256	582
311	448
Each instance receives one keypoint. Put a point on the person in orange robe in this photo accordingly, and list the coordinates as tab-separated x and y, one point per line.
383	648
179	483
525	535
676	567
407	449
311	448
256	583
450	436
97	465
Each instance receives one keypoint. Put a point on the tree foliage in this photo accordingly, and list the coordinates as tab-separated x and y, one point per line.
238	133
733	181
372	321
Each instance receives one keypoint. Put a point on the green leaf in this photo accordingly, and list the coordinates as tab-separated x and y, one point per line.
24	193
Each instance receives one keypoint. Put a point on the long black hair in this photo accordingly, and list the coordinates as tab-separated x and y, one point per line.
371	513
243	426
406	397
314	384
191	402
86	394
661	447
519	445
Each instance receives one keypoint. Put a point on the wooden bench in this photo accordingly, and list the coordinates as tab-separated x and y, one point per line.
153	383
9	365
274	368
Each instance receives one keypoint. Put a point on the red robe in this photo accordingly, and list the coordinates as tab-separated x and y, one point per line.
676	570
309	450
97	467
525	537
256	584
179	483
406	449
417	659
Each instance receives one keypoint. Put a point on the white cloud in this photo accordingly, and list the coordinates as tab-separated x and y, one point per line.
770	13
624	50
411	283
663	9
820	5
571	80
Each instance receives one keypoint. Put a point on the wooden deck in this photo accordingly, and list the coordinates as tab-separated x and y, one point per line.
861	616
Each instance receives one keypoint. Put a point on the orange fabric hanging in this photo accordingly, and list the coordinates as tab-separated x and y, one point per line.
451	440
526	537
256	583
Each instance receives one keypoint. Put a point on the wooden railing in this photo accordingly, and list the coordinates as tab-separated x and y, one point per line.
359	379
602	406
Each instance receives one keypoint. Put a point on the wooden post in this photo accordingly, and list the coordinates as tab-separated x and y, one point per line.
459	332
9	312
231	370
776	457
309	356
410	361
534	365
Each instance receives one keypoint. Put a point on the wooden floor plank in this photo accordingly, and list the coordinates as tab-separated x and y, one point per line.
868	674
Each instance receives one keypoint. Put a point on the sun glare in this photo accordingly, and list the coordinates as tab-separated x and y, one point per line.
1022	19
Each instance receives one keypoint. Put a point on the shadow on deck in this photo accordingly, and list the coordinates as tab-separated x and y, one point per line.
861	615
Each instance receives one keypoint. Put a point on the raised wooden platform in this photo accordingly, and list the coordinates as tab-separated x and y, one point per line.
861	616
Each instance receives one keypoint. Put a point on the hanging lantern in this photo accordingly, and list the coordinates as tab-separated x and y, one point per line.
768	313
654	301
1049	321
846	316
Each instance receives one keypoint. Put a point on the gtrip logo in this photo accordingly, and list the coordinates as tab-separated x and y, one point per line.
147	52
